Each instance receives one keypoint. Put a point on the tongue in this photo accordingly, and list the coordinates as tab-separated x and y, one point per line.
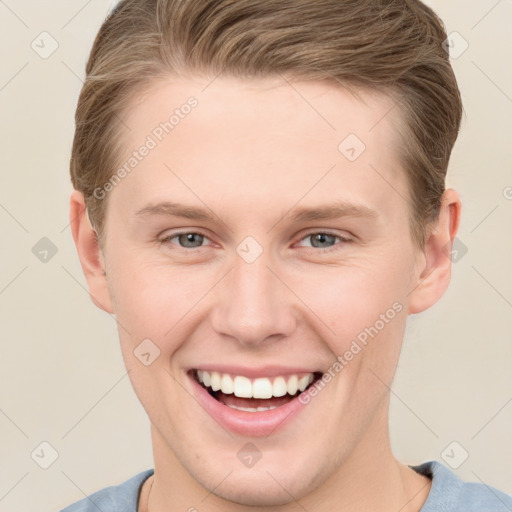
252	402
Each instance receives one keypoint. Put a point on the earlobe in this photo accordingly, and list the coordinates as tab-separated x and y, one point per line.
89	253
433	278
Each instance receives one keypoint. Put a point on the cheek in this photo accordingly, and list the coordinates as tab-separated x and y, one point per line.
343	301
158	300
152	299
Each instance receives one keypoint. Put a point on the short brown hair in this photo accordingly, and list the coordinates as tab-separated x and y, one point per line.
384	45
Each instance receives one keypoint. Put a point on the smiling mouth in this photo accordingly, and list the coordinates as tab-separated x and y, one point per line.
254	395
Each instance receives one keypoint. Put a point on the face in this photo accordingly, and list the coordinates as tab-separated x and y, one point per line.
260	242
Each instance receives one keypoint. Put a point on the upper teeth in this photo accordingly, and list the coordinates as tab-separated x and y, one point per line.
258	388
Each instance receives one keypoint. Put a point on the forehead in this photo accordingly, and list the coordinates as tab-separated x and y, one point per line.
318	110
265	141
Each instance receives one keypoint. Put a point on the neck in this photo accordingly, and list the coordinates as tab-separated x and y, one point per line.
370	479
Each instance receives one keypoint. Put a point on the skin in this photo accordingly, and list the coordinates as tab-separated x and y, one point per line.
253	152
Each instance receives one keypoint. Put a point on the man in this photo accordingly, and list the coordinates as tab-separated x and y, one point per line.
260	200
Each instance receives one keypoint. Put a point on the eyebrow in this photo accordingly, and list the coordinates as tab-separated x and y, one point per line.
176	210
335	210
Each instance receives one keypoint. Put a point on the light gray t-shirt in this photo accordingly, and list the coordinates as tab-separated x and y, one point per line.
447	494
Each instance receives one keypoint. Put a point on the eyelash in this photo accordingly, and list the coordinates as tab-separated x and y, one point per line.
343	240
336	246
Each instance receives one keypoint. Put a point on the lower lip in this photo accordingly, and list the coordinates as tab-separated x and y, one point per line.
258	424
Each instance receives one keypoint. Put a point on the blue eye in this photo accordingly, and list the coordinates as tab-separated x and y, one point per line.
321	240
188	240
194	240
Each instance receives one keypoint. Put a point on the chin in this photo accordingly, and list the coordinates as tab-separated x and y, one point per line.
261	486
261	492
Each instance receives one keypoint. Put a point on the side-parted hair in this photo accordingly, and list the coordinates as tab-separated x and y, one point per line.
389	46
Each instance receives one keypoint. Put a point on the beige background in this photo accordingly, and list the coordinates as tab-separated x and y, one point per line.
62	377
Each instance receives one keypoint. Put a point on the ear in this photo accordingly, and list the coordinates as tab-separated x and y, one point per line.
433	275
89	252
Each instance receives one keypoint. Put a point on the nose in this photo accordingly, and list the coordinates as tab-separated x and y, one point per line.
253	304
